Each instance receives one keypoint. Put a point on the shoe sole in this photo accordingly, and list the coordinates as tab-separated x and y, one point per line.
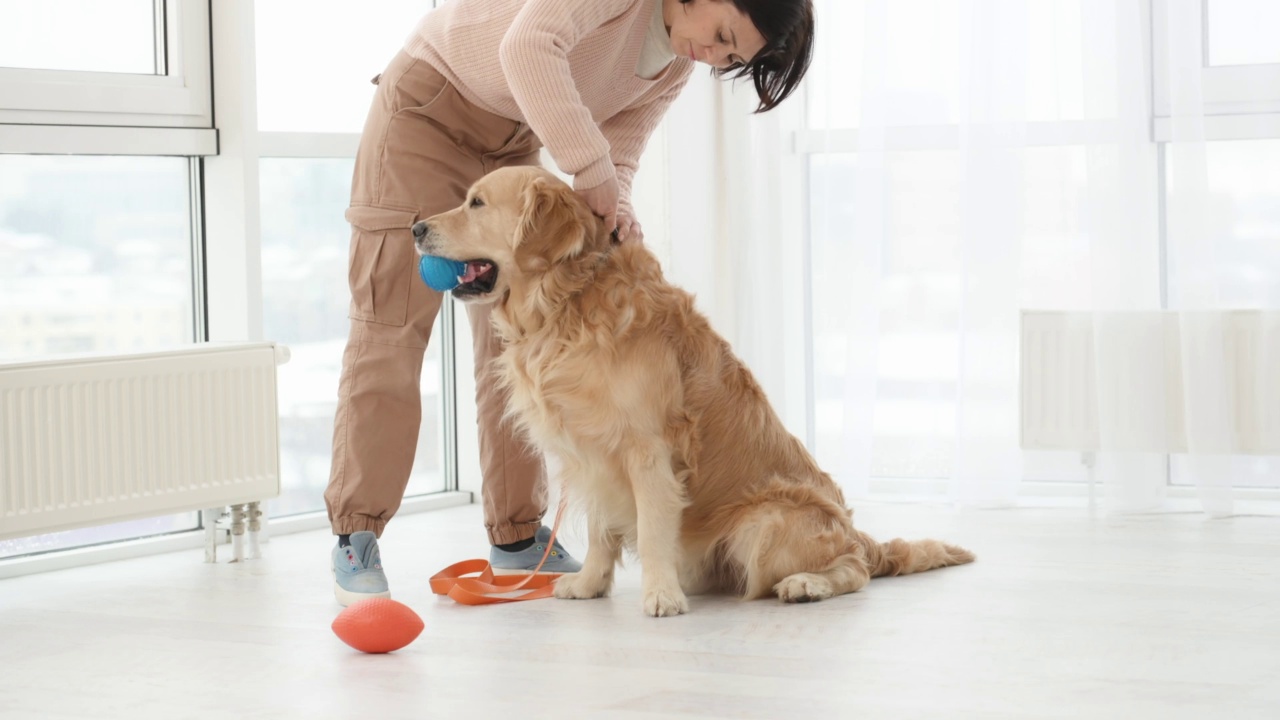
346	597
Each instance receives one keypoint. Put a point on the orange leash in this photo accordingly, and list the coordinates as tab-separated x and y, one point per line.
485	587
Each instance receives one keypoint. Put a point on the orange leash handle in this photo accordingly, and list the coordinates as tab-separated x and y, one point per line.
481	590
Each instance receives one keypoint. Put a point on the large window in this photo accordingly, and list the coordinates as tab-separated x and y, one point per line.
965	161
95	257
332	95
128	223
309	126
112	174
130	63
95	254
1244	187
305	301
1243	180
105	109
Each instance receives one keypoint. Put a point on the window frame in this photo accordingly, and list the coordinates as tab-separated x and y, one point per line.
308	145
1239	102
65	103
89	113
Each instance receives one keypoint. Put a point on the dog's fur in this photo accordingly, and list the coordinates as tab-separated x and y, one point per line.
665	437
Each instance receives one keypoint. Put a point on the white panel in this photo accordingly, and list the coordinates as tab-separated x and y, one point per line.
1201	382
1253	359
1268	384
308	145
232	200
87	441
1255	126
1132	353
82	140
1059	389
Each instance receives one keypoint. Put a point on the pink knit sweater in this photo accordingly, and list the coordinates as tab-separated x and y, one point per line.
567	68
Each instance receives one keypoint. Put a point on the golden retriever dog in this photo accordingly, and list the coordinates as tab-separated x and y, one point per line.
666	440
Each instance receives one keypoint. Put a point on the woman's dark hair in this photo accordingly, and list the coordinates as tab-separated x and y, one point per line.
787	27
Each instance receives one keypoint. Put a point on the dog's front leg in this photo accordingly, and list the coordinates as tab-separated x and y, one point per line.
595	579
660	502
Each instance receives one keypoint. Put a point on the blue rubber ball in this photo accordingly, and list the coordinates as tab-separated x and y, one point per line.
440	274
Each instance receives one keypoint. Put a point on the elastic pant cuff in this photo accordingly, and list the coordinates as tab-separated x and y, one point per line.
512	532
356	523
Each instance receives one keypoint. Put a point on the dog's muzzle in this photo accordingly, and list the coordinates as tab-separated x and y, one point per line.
422	239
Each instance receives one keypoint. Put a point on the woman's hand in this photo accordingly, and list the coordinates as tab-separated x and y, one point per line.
629	228
603	200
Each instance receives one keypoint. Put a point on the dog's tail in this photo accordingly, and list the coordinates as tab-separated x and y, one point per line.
903	557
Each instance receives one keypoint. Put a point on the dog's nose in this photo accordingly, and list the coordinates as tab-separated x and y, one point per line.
419	230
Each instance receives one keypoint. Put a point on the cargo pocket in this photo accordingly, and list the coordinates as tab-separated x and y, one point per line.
383	263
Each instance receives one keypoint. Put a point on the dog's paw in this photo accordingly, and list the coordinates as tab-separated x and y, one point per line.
580	586
803	588
664	602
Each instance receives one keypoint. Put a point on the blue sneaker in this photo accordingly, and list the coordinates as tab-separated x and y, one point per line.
524	561
357	570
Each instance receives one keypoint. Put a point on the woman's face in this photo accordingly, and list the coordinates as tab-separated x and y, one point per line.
711	31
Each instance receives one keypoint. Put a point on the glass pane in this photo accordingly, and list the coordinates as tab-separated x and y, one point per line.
1243	177
95	254
333	94
1243	32
916	55
916	329
100	534
1243	215
830	212
117	36
916	334
917	65
305	242
835	79
1244	218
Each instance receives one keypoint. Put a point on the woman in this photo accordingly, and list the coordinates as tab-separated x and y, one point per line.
483	84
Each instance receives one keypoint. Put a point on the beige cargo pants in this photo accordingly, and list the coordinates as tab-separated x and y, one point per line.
423	145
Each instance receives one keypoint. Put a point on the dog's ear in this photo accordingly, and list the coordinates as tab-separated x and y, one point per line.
555	225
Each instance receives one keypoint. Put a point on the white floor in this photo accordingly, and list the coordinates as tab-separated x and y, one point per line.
1171	616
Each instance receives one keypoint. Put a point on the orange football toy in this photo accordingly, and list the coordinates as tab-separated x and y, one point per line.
378	625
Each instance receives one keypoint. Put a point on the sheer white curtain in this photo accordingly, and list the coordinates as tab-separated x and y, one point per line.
1195	229
960	162
736	213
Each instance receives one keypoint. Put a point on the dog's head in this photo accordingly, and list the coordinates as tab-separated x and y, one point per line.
516	225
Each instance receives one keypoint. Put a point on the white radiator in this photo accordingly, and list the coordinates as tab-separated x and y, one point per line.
1174	382
95	440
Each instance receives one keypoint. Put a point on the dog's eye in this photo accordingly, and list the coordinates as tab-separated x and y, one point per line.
477	202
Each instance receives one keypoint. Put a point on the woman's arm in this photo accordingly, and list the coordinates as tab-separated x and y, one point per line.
534	57
628	132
